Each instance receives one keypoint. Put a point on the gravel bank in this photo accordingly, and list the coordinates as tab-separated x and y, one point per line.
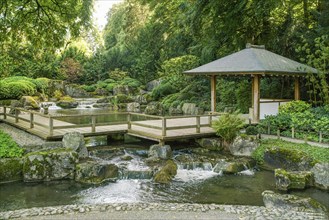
160	211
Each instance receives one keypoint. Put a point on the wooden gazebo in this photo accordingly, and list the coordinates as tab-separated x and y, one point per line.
255	61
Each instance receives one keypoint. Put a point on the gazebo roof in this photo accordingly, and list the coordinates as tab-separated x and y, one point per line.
253	60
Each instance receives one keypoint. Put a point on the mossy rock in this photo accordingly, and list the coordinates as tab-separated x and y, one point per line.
288	159
29	102
11	169
167	173
121	98
49	165
67	102
286	180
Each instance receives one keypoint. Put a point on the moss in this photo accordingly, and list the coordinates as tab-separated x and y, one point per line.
48	152
167	173
11	169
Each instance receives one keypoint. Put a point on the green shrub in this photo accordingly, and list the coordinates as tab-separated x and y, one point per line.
89	88
8	147
251	130
228	127
294	107
163	90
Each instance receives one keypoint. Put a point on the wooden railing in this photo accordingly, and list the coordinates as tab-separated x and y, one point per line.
57	122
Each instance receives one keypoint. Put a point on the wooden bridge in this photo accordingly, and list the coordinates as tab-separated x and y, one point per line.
157	128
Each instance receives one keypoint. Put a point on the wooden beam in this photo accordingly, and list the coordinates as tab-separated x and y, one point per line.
213	93
297	89
255	97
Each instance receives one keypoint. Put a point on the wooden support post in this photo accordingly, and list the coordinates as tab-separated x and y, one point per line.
161	142
255	97
297	89
31	120
198	124
268	128
93	124
51	126
293	132
164	127
129	121
213	93
210	120
4	112
16	116
320	137
278	133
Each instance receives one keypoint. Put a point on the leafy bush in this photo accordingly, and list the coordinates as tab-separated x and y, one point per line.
228	126
251	130
8	147
294	107
163	90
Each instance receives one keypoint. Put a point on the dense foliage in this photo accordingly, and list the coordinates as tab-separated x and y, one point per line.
317	153
307	121
8	147
149	39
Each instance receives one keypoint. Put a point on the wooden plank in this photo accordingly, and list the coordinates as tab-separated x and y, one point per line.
213	93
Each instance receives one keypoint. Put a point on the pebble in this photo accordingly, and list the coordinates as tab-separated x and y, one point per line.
245	212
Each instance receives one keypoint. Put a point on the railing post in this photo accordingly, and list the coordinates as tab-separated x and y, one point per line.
210	120
51	126
4	112
164	126
31	120
16	115
278	133
268	128
197	124
293	132
129	121
93	124
320	136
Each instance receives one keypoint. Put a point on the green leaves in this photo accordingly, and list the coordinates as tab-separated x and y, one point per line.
9	148
228	126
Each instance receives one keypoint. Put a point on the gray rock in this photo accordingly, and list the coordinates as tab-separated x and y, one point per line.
285	180
321	175
175	111
162	152
211	143
122	89
75	91
50	165
192	109
154	83
154	108
15	104
287	202
288	159
76	142
141	99
11	169
136	174
95	173
133	107
29	103
243	146
233	166
103	105
67	104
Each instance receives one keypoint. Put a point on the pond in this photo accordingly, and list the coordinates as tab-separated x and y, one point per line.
189	186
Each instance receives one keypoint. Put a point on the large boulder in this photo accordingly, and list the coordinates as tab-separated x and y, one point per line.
233	166
133	107
162	152
76	142
211	143
15	104
167	173
50	165
287	201
93	172
141	99
321	175
192	109
175	111
122	89
67	103
154	108
75	91
11	169
154	83
285	180
288	159
243	146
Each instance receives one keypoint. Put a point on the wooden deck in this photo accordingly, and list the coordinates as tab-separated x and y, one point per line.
157	128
